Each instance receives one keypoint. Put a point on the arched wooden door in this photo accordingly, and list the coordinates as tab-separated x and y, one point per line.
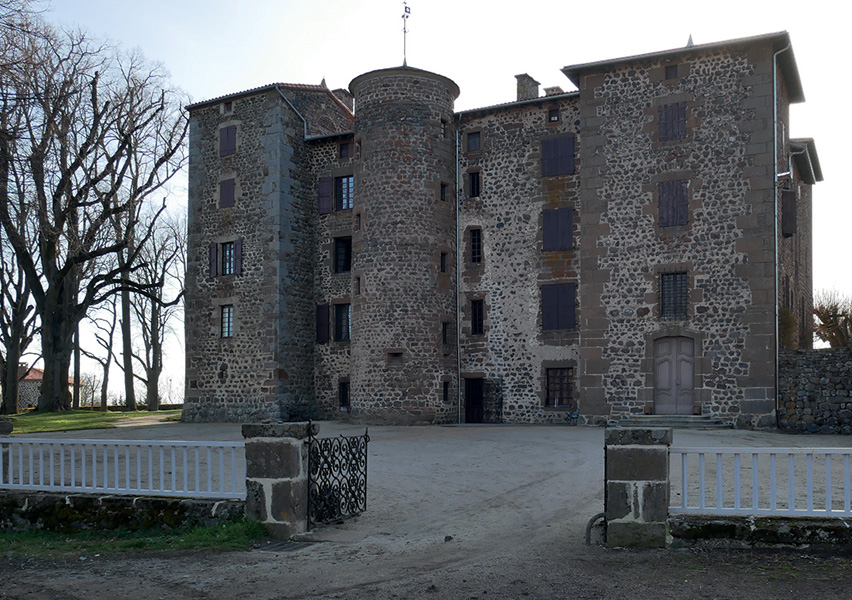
674	369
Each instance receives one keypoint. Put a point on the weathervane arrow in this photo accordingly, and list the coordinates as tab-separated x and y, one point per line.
405	15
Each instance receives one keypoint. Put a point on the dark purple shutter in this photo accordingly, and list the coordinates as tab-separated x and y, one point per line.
325	194
666	204
672	121
680	121
238	256
550	307
567	305
548	158
214	259
227	140
566	228
681	203
226	193
322	323
788	213
550	230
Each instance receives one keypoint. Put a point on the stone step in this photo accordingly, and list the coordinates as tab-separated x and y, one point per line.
675	421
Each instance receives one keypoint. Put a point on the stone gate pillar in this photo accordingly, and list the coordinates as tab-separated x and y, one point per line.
636	474
277	475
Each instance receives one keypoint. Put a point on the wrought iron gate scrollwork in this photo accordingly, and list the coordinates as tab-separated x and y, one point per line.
337	477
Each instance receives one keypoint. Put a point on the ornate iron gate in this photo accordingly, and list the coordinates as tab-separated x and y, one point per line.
337	477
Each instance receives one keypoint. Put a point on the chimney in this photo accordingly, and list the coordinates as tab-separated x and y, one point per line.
22	370
553	91
527	87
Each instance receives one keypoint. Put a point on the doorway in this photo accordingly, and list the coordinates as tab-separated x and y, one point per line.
474	400
674	369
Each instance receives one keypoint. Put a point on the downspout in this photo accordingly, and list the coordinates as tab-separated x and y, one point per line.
458	280
290	104
777	266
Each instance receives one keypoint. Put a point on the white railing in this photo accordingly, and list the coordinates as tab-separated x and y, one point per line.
150	468
761	481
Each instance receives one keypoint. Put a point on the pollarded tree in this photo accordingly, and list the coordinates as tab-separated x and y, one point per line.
94	135
833	318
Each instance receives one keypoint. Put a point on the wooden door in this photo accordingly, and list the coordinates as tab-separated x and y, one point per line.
674	368
474	400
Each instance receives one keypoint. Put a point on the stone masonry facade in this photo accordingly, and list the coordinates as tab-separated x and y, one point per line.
641	245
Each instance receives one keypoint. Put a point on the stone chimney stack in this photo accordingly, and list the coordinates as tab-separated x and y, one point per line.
527	87
553	91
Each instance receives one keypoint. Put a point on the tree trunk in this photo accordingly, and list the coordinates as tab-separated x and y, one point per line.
58	323
11	384
153	383
75	404
105	389
126	345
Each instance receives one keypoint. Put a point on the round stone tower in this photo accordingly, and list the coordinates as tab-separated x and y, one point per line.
403	351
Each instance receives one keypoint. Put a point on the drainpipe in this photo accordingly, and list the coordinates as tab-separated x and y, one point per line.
458	281
290	104
775	222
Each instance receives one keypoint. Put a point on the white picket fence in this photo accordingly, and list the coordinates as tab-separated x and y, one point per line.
761	481
150	468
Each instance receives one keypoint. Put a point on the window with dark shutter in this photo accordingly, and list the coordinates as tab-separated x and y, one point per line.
557	229
344	188
226	193
474	184
788	213
477	317
228	258
560	387
673	296
671	71
557	156
558	306
227	321
672	121
214	259
476	246
673	203
344	150
473	141
342	254
325	194
342	320
322	323
227	140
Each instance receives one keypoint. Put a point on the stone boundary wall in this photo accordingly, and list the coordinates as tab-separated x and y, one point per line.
22	511
761	530
815	391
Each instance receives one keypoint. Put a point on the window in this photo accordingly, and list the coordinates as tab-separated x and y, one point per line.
231	255
343	150
674	203
357	225
560	387
673	295
473	141
557	229
343	192
476	246
474	183
342	313
443	192
557	156
228	140
672	121
446	392
227	317
477	317
553	115
226	193
558	306
343	394
443	262
443	128
322	323
445	332
671	71
788	213
228	106
357	286
342	254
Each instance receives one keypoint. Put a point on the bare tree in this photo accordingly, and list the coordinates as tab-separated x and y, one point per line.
162	272
833	322
104	320
93	134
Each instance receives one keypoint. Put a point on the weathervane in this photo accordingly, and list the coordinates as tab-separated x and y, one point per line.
405	16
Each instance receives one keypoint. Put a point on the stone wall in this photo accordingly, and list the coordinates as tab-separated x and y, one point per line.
20	511
815	392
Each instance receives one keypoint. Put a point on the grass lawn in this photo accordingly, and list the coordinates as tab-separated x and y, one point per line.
69	420
234	535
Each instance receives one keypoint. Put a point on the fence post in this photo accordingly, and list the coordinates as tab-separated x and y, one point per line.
636	476
277	476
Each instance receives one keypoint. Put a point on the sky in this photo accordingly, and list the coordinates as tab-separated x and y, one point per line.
215	47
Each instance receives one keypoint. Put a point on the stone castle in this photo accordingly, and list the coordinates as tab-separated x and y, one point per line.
639	246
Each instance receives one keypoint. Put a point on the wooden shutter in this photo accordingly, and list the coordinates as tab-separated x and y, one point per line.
672	121
665	204
557	156
681	203
567	305
788	214
566	228
214	259
238	256
549	307
550	230
226	193
322	323
674	203
325	194
227	140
